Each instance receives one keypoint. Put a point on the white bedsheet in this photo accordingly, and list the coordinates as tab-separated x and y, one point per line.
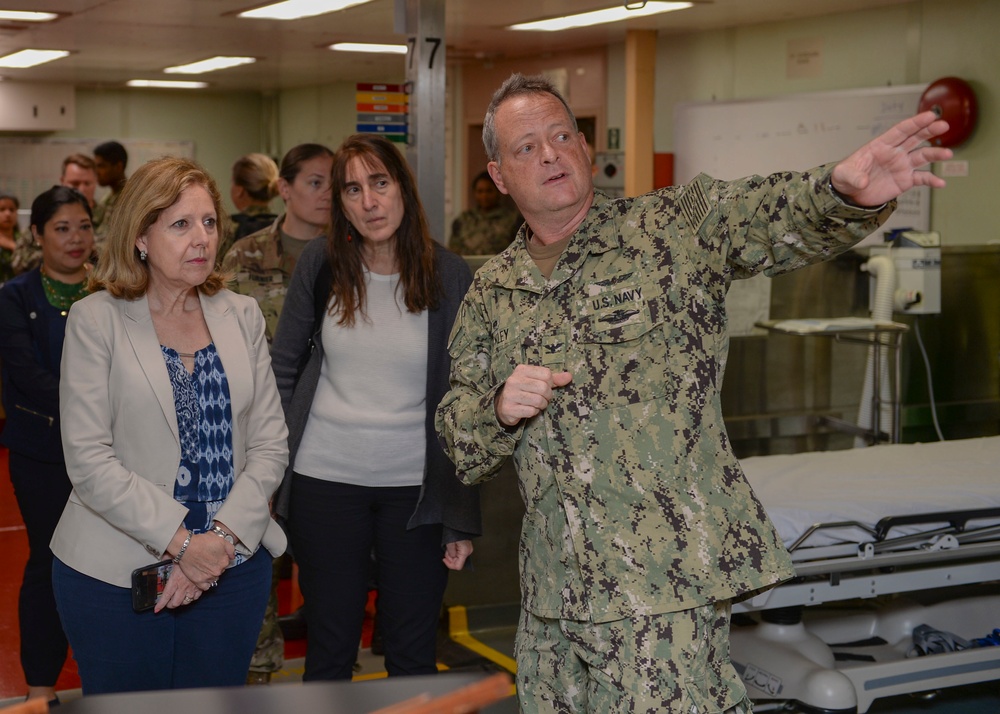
799	490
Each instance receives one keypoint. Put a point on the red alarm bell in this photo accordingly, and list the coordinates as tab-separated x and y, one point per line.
953	100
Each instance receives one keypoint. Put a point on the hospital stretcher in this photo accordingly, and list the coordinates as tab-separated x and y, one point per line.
884	540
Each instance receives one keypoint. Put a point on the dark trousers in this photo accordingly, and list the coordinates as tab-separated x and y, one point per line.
205	644
334	527
42	490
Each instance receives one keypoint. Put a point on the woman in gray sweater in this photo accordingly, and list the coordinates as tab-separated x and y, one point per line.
360	356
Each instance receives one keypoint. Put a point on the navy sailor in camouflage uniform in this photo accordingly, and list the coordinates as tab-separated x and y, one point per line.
592	350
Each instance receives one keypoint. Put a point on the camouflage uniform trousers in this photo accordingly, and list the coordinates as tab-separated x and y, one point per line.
676	663
269	655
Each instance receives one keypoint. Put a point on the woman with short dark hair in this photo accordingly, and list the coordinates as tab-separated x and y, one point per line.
33	310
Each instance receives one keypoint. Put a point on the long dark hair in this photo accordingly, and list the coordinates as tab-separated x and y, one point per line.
414	246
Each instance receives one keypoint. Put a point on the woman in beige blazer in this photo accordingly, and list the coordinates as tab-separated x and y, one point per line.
175	441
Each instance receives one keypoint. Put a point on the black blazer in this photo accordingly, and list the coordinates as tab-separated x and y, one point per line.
31	343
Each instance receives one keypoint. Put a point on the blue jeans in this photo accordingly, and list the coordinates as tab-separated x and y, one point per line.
333	528
208	643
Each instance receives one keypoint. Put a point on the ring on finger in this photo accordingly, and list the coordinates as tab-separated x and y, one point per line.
187	599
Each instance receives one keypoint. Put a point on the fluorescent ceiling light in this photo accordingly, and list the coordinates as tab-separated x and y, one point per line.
295	9
368	47
30	58
25	16
165	84
600	17
209	65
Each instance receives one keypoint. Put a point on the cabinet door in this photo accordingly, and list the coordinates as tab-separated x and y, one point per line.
35	107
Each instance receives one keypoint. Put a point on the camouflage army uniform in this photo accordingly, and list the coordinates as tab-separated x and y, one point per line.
253	219
102	217
27	253
478	233
11	261
263	270
635	503
6	271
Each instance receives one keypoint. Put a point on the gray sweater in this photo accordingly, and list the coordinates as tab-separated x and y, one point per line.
443	498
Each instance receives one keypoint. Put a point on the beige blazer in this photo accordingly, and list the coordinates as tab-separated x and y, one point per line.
121	440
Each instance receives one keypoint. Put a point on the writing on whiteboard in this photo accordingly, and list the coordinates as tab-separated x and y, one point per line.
729	140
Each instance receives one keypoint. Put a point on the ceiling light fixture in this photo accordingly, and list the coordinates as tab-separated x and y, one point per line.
209	65
296	9
31	58
26	16
618	13
165	84
368	47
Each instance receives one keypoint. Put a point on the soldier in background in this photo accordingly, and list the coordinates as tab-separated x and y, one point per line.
262	262
254	184
79	171
593	352
11	237
110	160
487	228
262	265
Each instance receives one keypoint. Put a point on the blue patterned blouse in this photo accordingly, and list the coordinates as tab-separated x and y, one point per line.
205	422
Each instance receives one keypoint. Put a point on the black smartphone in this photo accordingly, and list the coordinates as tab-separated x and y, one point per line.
148	583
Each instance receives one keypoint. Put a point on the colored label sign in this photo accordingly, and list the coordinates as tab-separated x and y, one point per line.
381	98
382	128
378	118
389	108
368	87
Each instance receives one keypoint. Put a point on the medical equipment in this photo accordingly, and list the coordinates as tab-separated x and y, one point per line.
916	258
884	540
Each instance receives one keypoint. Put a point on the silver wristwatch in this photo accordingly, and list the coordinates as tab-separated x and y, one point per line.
222	534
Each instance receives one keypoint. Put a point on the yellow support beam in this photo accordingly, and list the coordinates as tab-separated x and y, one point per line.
640	80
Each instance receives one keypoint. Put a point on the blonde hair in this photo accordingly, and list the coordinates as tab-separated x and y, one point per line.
257	174
156	186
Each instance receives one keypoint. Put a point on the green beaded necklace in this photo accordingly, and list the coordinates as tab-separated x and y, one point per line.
62	295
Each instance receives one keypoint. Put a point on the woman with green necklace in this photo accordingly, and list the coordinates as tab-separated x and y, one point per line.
33	309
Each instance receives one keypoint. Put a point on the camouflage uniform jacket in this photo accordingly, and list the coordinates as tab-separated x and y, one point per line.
253	219
635	503
102	217
7	259
478	233
27	253
262	270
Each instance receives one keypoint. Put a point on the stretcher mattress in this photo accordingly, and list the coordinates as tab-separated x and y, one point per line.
866	485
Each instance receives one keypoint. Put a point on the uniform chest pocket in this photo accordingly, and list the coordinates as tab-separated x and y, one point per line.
620	357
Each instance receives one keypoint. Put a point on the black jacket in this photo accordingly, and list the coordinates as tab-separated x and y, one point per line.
297	356
31	343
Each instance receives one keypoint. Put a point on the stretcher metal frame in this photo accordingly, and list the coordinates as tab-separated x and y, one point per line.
797	665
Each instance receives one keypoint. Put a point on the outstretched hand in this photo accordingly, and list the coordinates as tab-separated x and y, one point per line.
887	166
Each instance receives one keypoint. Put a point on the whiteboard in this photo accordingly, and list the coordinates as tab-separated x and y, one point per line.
30	165
732	139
